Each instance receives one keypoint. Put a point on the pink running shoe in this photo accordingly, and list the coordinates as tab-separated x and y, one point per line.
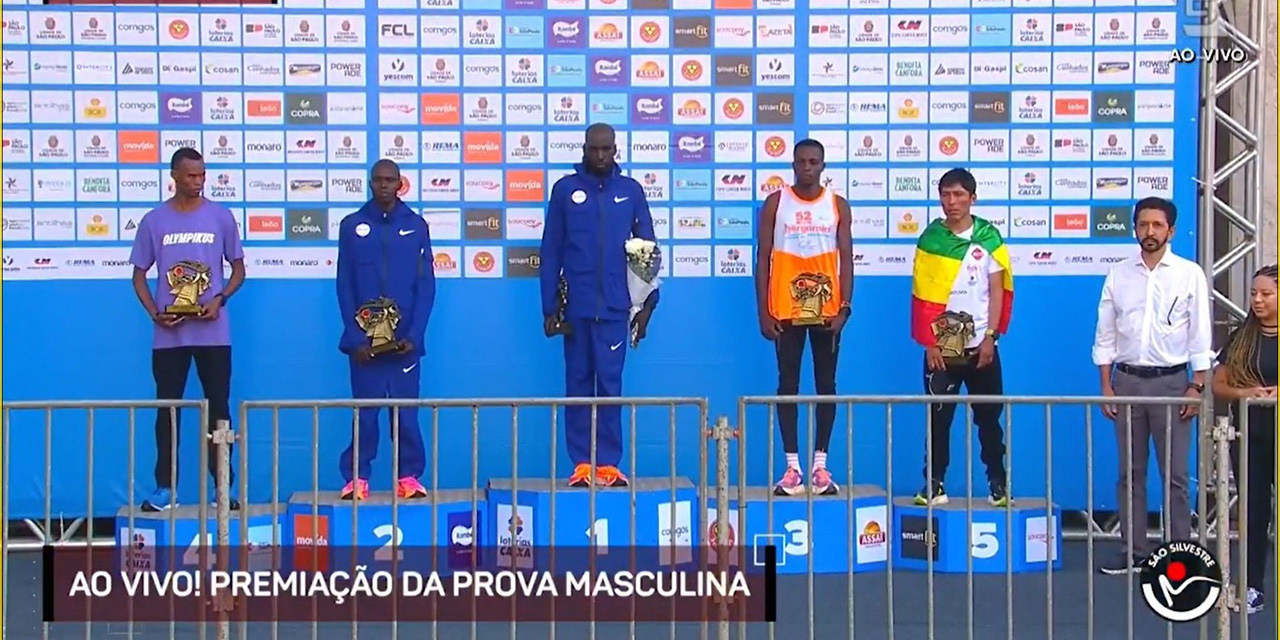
409	487
791	484
356	490
822	483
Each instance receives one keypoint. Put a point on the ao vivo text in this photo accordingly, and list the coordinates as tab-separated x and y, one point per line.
340	585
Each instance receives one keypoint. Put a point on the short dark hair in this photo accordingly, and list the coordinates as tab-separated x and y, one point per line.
1152	202
385	162
810	142
961	177
185	153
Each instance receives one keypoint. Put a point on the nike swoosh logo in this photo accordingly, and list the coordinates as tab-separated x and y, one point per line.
616	199
405	232
409	368
615	347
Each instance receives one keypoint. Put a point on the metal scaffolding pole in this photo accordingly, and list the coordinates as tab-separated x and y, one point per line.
1230	181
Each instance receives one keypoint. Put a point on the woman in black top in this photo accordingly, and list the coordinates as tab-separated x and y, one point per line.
1247	369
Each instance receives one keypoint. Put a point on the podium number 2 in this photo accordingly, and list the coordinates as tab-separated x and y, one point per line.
798	541
985	544
396	537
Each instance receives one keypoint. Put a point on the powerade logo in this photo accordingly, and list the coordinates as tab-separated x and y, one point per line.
461	531
991	30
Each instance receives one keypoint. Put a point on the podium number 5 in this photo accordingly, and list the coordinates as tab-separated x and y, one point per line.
798	543
985	544
384	553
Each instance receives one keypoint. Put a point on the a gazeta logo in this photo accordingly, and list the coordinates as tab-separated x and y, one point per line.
1181	581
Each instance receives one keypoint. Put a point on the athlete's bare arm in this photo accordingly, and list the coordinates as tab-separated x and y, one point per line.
770	328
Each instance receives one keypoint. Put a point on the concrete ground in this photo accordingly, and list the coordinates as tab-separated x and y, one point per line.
1112	604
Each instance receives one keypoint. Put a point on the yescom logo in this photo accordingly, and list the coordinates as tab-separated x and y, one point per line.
1181	581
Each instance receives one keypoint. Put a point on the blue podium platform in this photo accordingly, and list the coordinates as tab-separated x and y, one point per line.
853	525
433	533
1021	540
170	540
664	529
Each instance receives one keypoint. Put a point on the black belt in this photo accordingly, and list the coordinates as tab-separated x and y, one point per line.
1150	372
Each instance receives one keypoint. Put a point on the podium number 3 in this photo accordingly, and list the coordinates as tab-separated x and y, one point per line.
984	542
393	536
798	541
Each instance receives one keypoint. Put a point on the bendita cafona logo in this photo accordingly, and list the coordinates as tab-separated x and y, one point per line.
1181	581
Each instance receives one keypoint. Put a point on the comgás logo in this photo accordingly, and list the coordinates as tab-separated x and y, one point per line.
1181	581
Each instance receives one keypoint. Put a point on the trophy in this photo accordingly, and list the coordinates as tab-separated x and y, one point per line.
954	330
810	292
562	327
379	319
188	280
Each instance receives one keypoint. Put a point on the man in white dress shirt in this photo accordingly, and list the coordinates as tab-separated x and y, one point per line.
1153	324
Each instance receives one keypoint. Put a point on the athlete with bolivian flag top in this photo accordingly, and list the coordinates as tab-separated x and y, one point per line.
961	302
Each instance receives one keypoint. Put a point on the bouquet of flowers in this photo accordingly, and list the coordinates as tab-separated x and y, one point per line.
644	261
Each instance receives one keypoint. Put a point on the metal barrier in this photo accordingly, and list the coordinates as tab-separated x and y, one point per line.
1059	616
975	539
467	497
1254	440
66	538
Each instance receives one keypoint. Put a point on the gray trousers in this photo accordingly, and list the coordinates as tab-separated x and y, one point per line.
1172	437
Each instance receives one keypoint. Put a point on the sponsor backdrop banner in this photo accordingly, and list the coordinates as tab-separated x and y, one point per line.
1066	111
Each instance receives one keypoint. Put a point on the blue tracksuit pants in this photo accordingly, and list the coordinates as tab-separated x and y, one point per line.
593	359
386	376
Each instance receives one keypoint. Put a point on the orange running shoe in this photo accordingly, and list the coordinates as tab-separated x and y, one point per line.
356	490
581	476
610	477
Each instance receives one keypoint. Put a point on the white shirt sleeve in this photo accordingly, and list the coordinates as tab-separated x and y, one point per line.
1200	341
1104	337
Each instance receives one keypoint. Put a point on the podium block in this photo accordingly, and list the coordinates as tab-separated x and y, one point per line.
152	544
1025	539
664	531
826	540
340	534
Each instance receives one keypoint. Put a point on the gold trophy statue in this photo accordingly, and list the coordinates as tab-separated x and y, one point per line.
188	280
810	292
954	330
379	319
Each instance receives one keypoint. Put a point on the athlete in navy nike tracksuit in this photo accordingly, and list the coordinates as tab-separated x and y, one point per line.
384	249
590	216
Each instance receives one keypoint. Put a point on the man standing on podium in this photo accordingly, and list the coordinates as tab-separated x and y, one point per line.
591	215
804	288
386	289
961	301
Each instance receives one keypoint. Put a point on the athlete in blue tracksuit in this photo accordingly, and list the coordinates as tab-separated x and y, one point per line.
590	216
384	249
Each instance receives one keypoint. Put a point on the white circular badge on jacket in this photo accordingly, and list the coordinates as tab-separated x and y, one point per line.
579	196
362	229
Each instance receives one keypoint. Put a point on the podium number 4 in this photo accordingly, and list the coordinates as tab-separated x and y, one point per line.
393	536
984	542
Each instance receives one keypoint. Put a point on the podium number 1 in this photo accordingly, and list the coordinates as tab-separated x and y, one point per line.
385	531
984	542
